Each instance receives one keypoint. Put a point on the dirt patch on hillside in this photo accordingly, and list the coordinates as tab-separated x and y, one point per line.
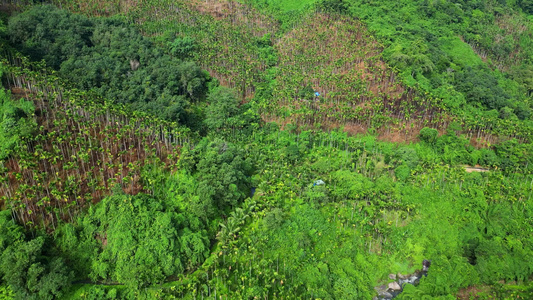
337	57
472	292
237	14
476	168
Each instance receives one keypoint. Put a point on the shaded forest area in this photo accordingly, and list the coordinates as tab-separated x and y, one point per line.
178	149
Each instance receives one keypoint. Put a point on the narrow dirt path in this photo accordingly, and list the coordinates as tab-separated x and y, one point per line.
476	168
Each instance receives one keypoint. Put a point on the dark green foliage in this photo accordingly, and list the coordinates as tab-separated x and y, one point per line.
222	173
306	92
406	156
222	110
183	47
27	265
428	135
526	5
79	247
480	86
52	34
335	6
113	58
10	232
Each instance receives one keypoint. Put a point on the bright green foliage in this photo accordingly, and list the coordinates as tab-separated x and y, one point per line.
136	241
17	123
349	185
298	244
286	5
6	293
143	240
303	242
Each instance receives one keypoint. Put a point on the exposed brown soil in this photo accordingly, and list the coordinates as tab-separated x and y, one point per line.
8	8
337	57
238	14
102	239
354	128
335	53
472	292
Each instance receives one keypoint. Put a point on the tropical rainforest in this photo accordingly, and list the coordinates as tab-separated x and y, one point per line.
266	149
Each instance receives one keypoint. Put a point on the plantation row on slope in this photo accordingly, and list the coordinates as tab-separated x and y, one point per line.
78	148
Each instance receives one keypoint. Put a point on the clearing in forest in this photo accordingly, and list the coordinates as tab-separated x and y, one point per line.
337	57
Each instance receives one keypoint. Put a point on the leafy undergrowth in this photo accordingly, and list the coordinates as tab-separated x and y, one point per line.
289	5
382	209
505	41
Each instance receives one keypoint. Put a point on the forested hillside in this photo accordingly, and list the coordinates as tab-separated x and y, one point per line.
266	149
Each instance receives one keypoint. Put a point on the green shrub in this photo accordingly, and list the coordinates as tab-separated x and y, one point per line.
428	135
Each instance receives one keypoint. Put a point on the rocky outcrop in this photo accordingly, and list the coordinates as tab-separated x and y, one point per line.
395	286
393	289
